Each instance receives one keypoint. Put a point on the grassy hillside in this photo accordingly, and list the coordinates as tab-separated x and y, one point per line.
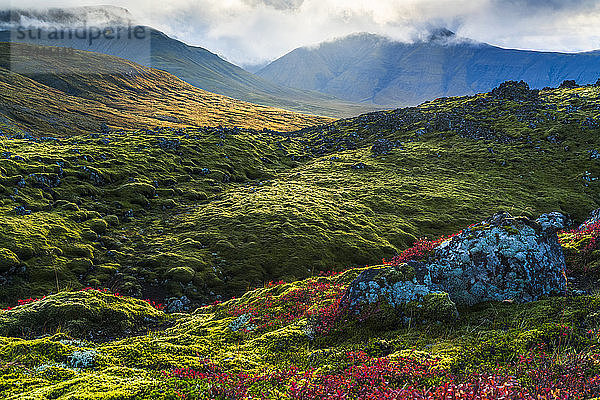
211	212
205	70
79	92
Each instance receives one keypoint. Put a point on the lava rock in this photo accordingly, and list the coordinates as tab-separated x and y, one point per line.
396	285
180	304
382	146
43	180
513	90
359	166
501	259
406	288
568	84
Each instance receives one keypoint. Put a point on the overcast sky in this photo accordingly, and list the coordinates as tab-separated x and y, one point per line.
255	31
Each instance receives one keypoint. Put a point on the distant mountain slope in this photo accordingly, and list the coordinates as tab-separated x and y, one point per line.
91	89
373	69
207	71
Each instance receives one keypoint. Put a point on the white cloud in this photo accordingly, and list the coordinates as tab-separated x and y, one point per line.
252	31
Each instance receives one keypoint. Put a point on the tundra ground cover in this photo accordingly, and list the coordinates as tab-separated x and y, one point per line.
209	213
541	350
212	213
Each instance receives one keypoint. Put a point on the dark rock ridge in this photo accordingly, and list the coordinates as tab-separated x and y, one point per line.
503	258
513	90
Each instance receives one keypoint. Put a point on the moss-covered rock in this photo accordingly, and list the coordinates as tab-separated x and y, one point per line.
98	225
181	274
502	258
89	234
112	220
87	314
8	260
435	307
80	265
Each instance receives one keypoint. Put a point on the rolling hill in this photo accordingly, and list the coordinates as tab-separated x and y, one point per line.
209	212
373	69
205	70
80	92
188	216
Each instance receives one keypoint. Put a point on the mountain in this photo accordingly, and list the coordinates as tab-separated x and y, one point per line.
70	92
376	70
195	65
73	16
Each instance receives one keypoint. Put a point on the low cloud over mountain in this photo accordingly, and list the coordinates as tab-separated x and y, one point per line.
254	31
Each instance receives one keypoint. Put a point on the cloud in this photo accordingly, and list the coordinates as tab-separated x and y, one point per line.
254	31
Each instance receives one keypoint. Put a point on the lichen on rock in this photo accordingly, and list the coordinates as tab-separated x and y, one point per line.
502	258
406	288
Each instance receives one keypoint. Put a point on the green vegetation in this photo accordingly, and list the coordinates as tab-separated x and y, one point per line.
81	92
211	212
70	366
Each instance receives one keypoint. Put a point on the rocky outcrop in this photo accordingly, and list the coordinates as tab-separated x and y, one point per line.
513	90
568	84
503	258
500	259
383	146
396	285
406	288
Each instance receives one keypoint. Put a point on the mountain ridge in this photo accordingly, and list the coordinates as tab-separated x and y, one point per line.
374	69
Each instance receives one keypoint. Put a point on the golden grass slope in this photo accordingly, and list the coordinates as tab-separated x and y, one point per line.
79	91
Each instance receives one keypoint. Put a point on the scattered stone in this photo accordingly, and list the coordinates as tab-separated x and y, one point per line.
21	210
242	322
594	218
359	166
168	144
43	181
175	304
382	146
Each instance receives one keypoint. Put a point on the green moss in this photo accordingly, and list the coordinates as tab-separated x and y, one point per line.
487	336
292	205
8	260
87	314
98	225
181	274
79	265
435	307
112	220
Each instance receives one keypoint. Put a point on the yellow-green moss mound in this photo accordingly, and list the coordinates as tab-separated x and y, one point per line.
89	314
